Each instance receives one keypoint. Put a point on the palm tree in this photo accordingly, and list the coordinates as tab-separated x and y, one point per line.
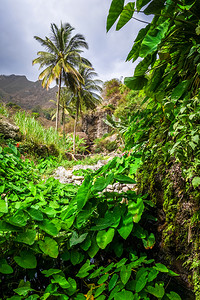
61	58
87	94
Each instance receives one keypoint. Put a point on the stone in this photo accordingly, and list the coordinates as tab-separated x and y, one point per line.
9	131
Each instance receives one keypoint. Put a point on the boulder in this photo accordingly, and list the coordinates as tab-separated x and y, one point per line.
9	130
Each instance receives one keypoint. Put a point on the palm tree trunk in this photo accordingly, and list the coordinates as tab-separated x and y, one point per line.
63	121
58	100
75	126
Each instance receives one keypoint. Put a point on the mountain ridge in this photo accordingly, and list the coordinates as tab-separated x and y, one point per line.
25	93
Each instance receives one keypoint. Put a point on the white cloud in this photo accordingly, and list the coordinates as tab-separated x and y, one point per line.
20	20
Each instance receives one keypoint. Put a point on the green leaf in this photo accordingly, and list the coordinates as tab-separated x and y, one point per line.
49	247
173	296
83	272
61	280
75	239
124	295
105	237
5	268
115	10
141	282
126	226
153	38
124	179
149	241
154	7
26	260
23	289
100	290
27	237
180	89
125	273
76	257
48	227
100	184
141	3
83	193
3	206
198	68
161	268
135	83
18	219
158	291
143	66
50	272
103	278
93	249
112	282
126	15
35	214
196	182
136	209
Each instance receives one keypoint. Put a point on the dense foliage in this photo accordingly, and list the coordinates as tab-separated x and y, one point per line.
61	243
167	130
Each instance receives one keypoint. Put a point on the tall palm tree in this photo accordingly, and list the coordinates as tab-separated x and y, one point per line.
87	94
61	58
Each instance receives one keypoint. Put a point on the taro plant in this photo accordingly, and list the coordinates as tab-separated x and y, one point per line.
60	243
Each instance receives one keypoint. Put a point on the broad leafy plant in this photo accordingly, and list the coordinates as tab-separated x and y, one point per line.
60	243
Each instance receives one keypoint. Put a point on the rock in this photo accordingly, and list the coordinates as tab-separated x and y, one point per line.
9	131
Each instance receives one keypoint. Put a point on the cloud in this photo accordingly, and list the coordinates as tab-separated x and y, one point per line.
20	20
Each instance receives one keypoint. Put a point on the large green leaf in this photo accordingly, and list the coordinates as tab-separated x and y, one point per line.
24	288
19	219
5	268
141	281
105	237
141	3
113	281
158	291
3	206
94	248
83	272
135	83
180	89
143	66
196	182
83	193
124	295
124	179
49	247
35	214
125	273
154	7
114	12
76	239
153	38
26	260
136	209
126	226
61	280
126	15
48	227
173	296
27	237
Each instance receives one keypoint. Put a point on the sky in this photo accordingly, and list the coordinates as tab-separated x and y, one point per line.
21	20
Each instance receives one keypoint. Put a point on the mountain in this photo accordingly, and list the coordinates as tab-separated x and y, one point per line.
27	94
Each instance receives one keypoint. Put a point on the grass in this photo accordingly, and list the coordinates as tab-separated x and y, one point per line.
4	110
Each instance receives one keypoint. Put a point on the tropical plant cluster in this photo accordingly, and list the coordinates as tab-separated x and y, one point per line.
167	130
60	242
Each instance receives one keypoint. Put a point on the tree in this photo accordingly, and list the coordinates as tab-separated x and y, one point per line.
61	58
168	46
87	94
